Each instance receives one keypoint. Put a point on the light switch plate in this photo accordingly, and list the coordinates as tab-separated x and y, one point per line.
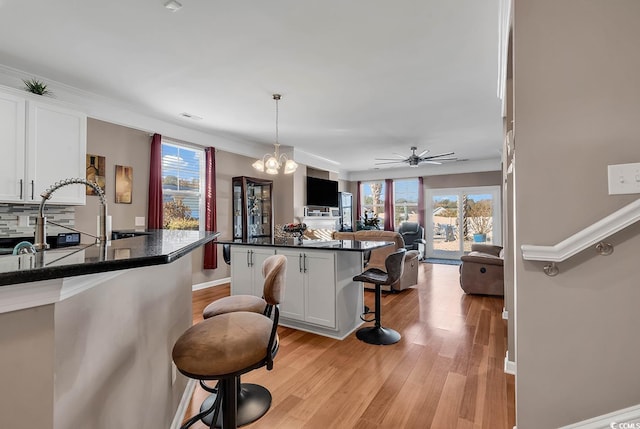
624	179
139	221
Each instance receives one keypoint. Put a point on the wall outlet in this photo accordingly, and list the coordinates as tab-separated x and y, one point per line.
624	179
23	221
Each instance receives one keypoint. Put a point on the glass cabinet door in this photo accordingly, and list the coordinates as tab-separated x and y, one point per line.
252	207
237	210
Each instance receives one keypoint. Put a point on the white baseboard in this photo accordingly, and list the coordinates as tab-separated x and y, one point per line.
183	405
211	284
505	314
509	365
626	418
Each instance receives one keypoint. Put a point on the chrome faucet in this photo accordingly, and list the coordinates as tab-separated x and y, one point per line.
41	221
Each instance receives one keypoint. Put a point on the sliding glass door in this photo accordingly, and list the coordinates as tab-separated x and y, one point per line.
459	217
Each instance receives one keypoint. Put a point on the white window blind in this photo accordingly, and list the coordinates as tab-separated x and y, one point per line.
182	186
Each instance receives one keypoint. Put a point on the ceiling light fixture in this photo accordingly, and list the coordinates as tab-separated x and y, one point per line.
271	162
173	5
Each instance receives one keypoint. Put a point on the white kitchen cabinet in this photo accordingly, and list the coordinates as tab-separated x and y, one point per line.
310	291
13	139
43	142
246	269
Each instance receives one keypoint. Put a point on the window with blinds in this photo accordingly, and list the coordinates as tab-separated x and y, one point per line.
182	186
405	204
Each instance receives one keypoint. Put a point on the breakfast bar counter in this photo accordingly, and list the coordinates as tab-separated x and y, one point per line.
86	332
320	295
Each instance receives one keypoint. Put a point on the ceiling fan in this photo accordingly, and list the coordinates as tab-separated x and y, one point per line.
415	160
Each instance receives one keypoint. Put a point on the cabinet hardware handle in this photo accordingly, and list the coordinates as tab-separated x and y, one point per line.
32	186
305	263
248	260
252	258
20	188
300	262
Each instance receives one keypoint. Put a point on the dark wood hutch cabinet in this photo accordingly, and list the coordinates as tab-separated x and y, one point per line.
252	207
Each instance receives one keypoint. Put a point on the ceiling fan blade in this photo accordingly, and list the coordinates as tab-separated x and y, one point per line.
389	162
446	159
398	155
391	159
438	156
430	162
424	152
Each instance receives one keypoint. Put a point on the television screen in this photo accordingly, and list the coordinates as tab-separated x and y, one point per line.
322	192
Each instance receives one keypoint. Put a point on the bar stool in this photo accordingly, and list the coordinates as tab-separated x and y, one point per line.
253	400
228	345
394	263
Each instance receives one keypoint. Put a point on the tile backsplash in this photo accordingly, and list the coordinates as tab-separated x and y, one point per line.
9	216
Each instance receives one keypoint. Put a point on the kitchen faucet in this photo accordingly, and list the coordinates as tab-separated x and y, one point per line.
41	221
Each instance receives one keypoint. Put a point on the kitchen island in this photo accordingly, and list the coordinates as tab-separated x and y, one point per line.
86	332
320	295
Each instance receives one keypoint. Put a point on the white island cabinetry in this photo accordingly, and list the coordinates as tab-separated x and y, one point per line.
246	269
310	287
320	295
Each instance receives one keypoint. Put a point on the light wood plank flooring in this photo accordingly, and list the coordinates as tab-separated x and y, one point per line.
445	373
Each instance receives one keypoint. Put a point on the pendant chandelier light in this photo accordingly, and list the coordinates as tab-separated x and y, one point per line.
271	162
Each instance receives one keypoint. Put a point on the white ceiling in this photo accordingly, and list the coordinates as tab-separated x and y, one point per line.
360	79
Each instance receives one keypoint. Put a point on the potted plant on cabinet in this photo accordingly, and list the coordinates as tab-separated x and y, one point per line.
36	86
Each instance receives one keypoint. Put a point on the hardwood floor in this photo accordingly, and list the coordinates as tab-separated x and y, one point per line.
446	371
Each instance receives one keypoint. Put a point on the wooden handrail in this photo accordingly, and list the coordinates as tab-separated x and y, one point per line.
588	237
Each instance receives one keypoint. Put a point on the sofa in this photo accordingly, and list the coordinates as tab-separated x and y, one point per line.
378	256
482	270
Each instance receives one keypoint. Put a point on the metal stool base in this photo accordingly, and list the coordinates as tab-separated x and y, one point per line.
378	335
253	402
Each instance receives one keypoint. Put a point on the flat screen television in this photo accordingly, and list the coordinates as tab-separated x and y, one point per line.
322	192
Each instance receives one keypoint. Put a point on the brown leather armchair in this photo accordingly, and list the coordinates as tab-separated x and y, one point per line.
378	256
482	270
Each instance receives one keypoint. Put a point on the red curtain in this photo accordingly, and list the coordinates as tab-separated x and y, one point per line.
421	208
210	249
388	205
358	207
155	184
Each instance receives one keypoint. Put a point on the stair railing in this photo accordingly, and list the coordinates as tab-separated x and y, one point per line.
593	235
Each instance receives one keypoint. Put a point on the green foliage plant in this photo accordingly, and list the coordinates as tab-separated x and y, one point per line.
177	215
36	86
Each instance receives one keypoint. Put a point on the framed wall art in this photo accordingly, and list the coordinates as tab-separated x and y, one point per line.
96	172
124	184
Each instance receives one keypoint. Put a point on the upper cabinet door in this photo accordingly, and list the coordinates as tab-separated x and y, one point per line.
56	150
12	140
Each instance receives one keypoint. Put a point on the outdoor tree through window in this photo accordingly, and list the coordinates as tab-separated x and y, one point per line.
371	205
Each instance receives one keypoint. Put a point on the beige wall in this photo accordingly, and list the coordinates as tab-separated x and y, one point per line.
577	98
488	178
120	146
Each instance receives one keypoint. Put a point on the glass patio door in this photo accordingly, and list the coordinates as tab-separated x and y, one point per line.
460	217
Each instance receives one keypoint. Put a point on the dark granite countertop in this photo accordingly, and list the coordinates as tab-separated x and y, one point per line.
154	248
348	245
